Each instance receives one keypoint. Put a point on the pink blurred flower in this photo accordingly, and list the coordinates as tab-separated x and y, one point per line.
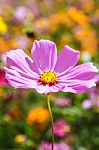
95	20
60	146
97	102
63	101
22	41
3	81
61	128
20	13
47	72
87	104
93	93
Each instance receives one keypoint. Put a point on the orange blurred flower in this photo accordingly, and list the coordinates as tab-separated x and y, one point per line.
87	5
6	44
57	19
88	39
37	115
77	16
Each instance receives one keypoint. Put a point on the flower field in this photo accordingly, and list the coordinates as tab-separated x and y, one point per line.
49	80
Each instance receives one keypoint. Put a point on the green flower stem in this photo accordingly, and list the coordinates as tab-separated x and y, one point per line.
50	111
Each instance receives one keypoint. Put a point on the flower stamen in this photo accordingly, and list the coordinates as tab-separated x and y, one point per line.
48	77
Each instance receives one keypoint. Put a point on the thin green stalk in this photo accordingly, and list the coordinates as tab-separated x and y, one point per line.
50	111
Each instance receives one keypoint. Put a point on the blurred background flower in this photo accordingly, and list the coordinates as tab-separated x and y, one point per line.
62	146
3	81
61	128
38	115
63	101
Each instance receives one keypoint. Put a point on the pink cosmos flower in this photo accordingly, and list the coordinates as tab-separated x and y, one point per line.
46	72
93	93
20	13
63	101
3	81
57	146
61	128
87	104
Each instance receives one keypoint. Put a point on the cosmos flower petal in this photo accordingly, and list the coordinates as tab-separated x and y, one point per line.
44	54
68	89
56	88
78	86
79	78
64	87
81	88
46	89
67	59
42	89
84	71
19	61
18	80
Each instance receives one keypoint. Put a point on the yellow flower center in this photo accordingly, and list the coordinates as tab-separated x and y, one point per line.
48	77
